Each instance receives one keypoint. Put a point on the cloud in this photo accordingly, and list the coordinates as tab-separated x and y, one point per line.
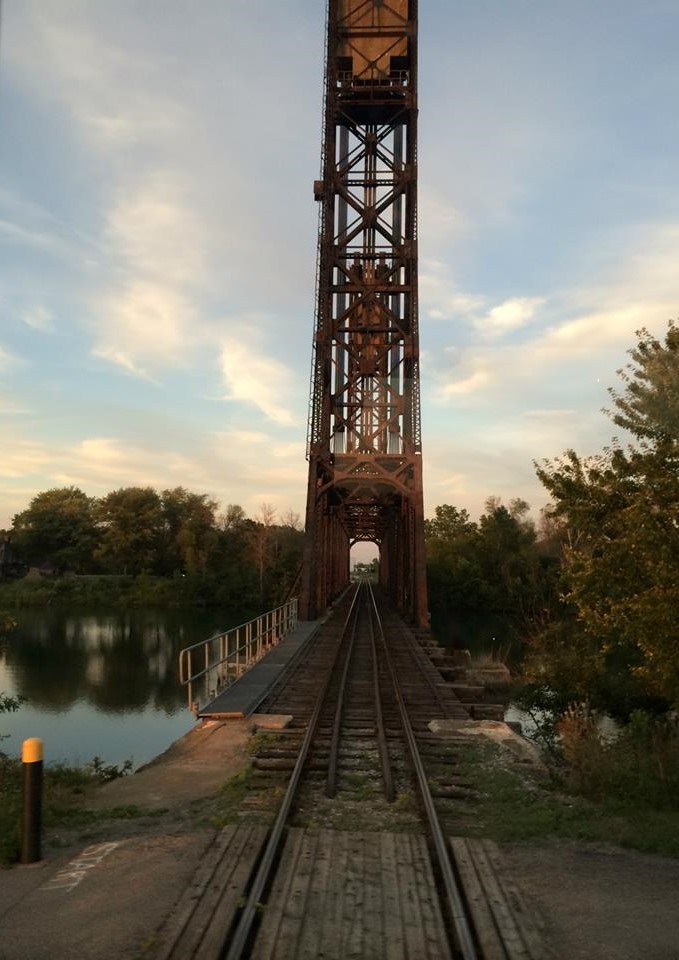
123	360
471	384
9	405
440	298
440	221
6	358
144	324
39	318
22	458
254	378
228	438
511	315
89	62
157	233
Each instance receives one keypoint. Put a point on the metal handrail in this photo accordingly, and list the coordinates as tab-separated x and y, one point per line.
221	659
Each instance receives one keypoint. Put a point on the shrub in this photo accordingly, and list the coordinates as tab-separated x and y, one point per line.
638	767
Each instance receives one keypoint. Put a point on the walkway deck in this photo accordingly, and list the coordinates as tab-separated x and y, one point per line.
245	694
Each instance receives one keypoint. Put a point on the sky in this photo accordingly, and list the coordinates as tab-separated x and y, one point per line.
158	238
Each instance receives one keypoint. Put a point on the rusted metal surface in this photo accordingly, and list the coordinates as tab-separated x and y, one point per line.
364	441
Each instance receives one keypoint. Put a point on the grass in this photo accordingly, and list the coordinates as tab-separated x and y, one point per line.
516	806
65	789
264	741
229	805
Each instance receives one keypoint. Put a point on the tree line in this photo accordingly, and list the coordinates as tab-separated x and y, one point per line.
173	533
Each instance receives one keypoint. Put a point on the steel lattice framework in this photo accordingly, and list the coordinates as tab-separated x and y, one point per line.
364	442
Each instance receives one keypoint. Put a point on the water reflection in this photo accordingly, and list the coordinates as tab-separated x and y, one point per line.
117	662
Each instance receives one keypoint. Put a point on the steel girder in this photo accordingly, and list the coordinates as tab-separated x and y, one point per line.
364	440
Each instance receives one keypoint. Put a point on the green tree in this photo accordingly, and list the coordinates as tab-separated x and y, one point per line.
131	521
59	526
453	573
649	405
189	531
508	559
621	558
233	562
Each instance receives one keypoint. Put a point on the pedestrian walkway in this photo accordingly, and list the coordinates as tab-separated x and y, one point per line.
244	695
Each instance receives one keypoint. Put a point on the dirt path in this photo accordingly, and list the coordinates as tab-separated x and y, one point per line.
600	902
194	767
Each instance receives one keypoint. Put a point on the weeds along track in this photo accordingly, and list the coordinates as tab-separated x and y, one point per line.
359	753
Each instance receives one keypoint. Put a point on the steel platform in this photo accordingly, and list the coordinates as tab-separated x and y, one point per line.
244	695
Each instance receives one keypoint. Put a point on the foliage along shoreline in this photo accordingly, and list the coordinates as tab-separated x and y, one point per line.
139	547
141	591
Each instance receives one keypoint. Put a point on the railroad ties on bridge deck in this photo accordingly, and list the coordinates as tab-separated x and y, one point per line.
339	895
244	695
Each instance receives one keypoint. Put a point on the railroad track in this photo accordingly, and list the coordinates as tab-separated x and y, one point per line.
359	746
350	841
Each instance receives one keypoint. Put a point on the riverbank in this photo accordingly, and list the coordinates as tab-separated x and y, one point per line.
171	593
597	899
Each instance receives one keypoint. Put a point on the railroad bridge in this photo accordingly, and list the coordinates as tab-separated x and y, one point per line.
363	717
364	438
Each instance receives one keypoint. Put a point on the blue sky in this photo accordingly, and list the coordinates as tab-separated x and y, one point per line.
158	238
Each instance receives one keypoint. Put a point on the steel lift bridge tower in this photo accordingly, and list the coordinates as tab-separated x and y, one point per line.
364	443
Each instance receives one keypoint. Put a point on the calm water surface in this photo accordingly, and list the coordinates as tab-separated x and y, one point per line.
101	683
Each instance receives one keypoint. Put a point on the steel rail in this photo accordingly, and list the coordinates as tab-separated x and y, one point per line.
331	779
454	901
245	923
387	776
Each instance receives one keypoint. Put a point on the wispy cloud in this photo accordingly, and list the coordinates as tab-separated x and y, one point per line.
144	325
22	458
6	358
253	377
470	384
156	232
231	438
39	318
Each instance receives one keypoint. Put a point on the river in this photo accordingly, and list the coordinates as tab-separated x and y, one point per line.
104	683
100	683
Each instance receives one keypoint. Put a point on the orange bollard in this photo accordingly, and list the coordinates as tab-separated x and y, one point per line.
31	836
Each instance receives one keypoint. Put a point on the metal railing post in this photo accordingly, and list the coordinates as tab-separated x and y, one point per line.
224	655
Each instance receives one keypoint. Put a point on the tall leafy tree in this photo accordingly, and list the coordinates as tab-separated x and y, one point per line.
131	521
648	406
453	572
508	558
58	526
621	561
189	531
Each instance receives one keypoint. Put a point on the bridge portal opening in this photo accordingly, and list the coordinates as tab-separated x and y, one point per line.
365	560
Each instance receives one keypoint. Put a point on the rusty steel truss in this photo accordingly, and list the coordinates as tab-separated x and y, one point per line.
364	442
